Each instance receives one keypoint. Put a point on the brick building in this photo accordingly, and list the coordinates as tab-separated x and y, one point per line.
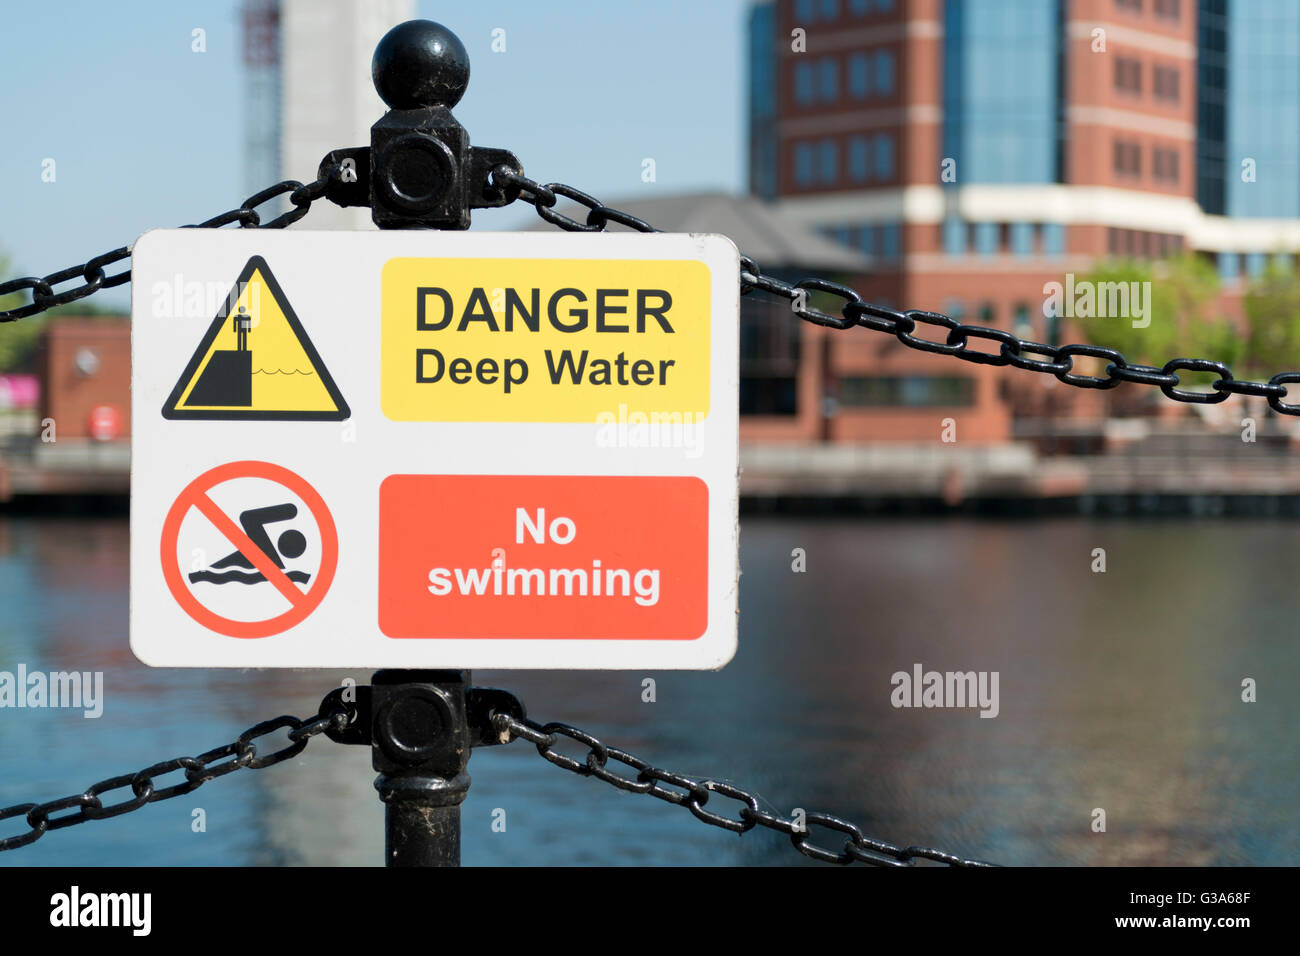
976	150
84	367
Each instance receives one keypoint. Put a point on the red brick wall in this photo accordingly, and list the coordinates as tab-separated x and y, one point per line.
67	393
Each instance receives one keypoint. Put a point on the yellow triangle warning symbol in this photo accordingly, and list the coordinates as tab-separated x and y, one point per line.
256	362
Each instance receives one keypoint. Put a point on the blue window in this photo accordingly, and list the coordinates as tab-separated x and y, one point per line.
1255	262
828	161
805	10
986	238
884	6
804	92
803	164
859	75
1000	126
891	240
884	72
830	76
954	236
884	156
867	240
830	9
1053	239
859	159
1022	238
1229	266
860	7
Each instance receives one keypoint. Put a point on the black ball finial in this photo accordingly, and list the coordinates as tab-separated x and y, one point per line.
420	64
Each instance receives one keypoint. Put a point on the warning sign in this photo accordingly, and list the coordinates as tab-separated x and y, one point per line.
586	557
249	549
256	362
535	466
543	340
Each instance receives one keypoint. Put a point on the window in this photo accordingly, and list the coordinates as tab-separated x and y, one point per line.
828	161
911	391
954	236
806	10
891	240
988	314
1022	325
1165	83
1168	9
830	9
1133	5
859	76
804	91
803	164
986	238
1128	75
1053	329
859	159
829	75
884	156
1053	239
885	72
1229	266
867	240
1022	238
1255	262
1164	165
1128	158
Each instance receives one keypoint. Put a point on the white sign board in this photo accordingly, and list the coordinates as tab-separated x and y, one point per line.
433	449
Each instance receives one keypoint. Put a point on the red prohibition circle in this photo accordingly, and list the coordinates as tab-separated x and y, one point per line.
195	495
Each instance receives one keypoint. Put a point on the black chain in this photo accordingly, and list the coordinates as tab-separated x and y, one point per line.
198	770
693	794
93	277
902	324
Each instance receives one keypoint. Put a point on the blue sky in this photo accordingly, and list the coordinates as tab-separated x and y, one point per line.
146	133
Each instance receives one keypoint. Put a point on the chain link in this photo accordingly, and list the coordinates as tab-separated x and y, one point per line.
142	784
93	277
694	794
1012	350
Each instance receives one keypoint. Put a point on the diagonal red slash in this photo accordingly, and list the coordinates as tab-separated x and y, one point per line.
244	544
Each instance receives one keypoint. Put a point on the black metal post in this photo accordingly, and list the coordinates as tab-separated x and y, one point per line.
420	172
420	746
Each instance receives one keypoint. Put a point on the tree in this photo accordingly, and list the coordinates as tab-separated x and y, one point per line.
1182	317
1272	305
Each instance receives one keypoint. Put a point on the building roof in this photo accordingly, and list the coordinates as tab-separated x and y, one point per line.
773	240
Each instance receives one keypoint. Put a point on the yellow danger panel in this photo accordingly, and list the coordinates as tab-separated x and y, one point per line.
256	362
544	340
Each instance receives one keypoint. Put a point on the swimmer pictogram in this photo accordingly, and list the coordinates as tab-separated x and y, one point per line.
279	557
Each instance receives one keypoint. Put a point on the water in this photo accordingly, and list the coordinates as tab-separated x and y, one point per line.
1119	691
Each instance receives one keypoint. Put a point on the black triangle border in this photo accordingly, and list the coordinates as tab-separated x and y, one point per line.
173	412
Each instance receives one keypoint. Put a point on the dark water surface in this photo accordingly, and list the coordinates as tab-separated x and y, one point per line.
1119	691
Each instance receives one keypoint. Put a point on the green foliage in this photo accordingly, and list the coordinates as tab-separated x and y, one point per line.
1182	307
1272	305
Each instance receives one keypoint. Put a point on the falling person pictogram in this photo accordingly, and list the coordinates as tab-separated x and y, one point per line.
291	544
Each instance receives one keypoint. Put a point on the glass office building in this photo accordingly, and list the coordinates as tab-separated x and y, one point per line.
1002	90
1258	93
